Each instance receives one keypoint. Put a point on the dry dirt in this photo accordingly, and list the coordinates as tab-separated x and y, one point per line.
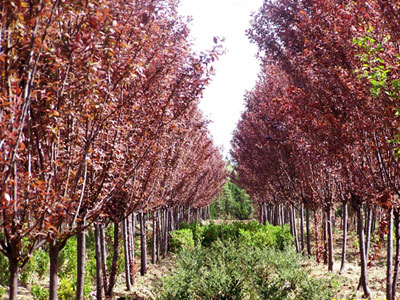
348	281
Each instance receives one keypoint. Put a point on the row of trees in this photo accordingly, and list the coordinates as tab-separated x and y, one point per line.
99	119
320	129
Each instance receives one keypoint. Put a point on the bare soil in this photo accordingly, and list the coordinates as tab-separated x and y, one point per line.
348	281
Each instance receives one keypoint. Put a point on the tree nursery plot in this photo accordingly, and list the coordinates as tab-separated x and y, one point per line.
107	165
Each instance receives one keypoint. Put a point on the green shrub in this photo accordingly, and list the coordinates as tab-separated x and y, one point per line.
197	230
180	239
66	289
4	274
39	293
228	270
2	291
41	262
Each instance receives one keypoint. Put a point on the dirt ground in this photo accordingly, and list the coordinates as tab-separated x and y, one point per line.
348	281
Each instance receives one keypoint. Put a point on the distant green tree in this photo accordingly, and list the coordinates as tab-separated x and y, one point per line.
232	203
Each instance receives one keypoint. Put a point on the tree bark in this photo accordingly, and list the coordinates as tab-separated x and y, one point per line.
344	246
397	257
126	254
13	274
131	239
293	224
330	238
308	231
143	246
158	233
325	236
368	232
99	275
81	255
113	273
302	227
389	288
103	255
54	251
363	277
154	244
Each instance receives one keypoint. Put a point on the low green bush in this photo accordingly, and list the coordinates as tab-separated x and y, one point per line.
251	233
39	293
2	291
181	239
4	274
197	230
231	270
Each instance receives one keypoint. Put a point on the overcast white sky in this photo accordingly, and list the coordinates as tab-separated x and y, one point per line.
236	71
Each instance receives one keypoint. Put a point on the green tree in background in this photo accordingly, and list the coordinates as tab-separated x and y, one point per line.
232	203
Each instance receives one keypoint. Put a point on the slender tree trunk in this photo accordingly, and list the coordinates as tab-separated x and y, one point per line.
143	246
99	275
81	256
13	273
397	257
293	223
325	236
158	235
308	231
317	248
368	232
330	238
165	233
54	252
113	273
302	227
126	254
363	278
344	246
154	244
103	255
131	245
276	215
389	288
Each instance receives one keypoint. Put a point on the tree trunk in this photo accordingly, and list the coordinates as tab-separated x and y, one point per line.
368	232
99	275
344	246
317	248
330	238
131	239
302	227
158	232
165	233
389	288
276	215
308	231
54	252
81	255
397	257
143	246
293	224
103	255
325	236
126	254
13	274
363	277
154	244
113	273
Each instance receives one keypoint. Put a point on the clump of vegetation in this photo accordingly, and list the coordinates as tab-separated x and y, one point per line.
232	203
249	233
243	261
